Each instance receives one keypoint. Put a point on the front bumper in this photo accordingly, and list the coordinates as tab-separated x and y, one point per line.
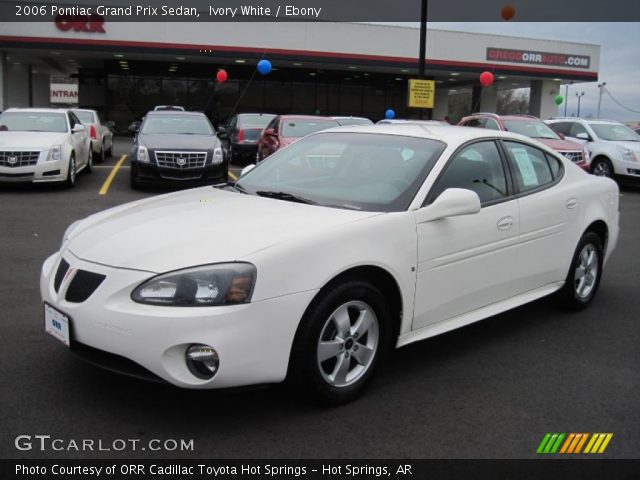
253	341
43	171
150	173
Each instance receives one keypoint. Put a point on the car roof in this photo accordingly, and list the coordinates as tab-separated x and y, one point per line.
256	114
160	113
83	110
444	133
306	117
37	110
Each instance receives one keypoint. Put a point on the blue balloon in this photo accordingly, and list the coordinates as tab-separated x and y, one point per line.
389	114
264	67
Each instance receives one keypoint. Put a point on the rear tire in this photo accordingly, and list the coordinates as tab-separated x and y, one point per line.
135	184
100	156
584	273
339	343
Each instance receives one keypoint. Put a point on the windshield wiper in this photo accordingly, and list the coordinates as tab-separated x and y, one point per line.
285	196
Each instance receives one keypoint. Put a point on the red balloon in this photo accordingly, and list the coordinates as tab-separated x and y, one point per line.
486	79
222	76
508	12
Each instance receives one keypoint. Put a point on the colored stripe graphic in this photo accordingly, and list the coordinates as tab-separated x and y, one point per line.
574	443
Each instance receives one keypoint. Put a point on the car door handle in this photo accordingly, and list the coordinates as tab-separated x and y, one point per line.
572	203
505	223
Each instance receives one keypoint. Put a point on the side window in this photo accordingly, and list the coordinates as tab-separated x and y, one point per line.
233	123
478	167
576	128
555	165
72	121
475	122
561	127
531	167
491	124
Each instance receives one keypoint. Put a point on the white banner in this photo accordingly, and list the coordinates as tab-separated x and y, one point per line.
64	93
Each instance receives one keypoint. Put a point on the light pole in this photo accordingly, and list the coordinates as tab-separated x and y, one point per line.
579	95
601	87
566	97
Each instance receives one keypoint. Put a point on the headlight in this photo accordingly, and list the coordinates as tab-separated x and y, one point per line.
208	285
67	233
55	153
217	156
628	155
143	154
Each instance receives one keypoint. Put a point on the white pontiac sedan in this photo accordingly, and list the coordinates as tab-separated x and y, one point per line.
343	244
42	145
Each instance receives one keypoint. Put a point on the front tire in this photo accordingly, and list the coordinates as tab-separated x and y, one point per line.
135	184
602	167
584	274
339	343
71	172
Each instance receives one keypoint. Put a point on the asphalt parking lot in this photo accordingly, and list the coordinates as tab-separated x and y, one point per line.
490	390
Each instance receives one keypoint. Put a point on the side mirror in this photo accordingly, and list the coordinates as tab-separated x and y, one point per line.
561	135
110	124
78	128
247	169
270	132
583	136
450	203
222	131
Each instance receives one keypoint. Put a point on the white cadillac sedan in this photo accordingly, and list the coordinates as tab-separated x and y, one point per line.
42	145
341	245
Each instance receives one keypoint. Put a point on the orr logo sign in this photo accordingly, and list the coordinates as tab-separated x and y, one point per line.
538	58
80	23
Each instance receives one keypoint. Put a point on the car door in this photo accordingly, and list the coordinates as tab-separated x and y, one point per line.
549	215
467	262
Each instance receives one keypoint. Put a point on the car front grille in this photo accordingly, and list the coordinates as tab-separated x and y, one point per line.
575	157
181	160
18	159
83	285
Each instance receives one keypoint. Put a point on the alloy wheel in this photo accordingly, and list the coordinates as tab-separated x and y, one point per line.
586	273
348	343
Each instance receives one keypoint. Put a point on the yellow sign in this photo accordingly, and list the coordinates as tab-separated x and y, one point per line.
421	93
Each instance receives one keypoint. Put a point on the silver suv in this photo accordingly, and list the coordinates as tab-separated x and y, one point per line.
614	147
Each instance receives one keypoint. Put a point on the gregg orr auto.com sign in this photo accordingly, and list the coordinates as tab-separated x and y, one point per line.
538	58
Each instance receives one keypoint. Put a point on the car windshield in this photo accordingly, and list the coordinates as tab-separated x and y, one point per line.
297	128
85	116
614	132
530	128
254	121
359	171
176	124
33	122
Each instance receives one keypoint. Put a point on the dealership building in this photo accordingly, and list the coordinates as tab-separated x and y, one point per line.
123	69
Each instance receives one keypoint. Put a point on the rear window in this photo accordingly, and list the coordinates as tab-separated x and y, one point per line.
301	128
254	121
85	117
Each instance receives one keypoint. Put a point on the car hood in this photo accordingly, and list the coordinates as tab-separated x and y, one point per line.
30	140
561	145
176	142
198	226
635	146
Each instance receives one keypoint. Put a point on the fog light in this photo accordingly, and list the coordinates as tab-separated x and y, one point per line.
202	361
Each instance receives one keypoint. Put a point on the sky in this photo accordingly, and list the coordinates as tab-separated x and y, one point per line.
619	60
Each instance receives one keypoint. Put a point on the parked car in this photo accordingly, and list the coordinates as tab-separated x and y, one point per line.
168	108
241	135
531	127
177	146
286	129
100	133
43	145
614	147
344	121
346	243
